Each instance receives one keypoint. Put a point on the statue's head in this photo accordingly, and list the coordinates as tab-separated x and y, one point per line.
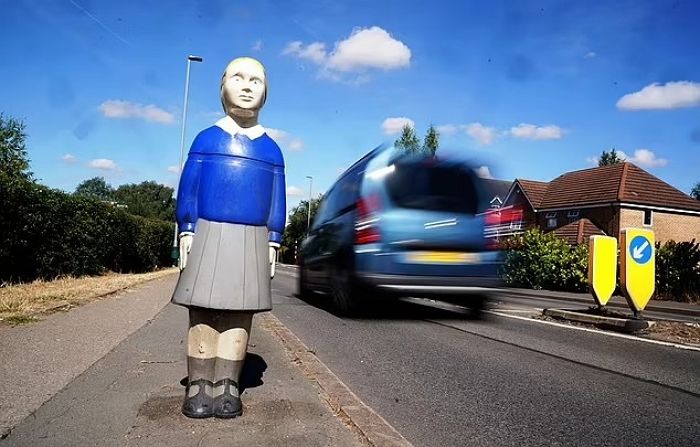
243	87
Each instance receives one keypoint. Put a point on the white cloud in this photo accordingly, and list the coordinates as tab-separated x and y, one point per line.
285	140
369	48
448	129
115	108
483	172
293	191
590	55
393	126
257	46
533	132
103	164
672	95
69	159
642	157
173	169
647	158
482	134
314	52
365	48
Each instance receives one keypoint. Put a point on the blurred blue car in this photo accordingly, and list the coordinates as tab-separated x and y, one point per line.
396	224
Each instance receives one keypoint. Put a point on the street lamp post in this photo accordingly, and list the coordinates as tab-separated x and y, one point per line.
190	59
308	207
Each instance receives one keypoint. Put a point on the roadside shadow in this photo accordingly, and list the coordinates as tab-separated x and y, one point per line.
252	375
382	307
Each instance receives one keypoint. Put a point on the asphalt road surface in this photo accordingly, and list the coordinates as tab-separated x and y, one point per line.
443	379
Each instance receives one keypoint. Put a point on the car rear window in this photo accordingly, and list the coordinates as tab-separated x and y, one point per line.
435	188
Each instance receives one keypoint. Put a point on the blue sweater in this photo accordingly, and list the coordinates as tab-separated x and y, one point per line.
233	179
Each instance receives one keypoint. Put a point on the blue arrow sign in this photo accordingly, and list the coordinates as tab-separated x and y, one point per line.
640	249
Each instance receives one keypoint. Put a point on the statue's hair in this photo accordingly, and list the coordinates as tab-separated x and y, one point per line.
237	61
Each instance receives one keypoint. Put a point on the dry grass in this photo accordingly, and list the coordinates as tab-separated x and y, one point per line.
22	303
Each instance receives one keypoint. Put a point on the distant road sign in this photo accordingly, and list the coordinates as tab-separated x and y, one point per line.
602	267
637	266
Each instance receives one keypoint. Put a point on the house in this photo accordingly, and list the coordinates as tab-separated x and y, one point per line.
604	200
496	191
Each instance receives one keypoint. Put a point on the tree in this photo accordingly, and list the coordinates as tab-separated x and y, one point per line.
97	188
695	192
431	141
408	140
608	158
296	228
14	161
148	199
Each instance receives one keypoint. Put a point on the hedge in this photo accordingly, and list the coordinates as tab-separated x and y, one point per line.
539	260
678	271
46	233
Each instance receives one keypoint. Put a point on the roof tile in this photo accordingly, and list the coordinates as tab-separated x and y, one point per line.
534	190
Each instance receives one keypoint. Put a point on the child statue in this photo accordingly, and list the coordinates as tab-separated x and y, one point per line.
230	214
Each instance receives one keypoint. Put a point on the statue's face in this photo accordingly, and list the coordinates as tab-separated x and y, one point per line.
244	85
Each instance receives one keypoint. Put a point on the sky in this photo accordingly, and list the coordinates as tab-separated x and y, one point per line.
527	89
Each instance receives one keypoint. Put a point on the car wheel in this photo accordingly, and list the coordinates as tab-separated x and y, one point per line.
345	299
303	289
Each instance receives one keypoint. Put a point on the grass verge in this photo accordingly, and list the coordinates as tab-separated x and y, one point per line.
24	303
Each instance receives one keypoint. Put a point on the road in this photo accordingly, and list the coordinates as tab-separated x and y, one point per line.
442	379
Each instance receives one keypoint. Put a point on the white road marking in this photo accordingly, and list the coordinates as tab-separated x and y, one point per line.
597	331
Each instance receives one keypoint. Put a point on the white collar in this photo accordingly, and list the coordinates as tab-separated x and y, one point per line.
230	126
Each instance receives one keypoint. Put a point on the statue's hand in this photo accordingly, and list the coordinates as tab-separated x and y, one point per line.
274	246
186	238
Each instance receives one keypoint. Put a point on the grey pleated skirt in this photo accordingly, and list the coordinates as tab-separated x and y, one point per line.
228	268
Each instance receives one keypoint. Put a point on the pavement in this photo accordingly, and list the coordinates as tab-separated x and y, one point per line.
109	373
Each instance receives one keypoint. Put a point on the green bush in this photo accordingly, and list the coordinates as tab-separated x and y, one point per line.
678	271
539	260
47	233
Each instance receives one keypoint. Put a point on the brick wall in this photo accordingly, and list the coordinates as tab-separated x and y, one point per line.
666	226
519	200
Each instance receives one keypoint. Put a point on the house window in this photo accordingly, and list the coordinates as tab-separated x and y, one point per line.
648	218
572	214
551	220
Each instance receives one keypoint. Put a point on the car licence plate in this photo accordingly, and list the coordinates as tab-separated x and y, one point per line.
441	257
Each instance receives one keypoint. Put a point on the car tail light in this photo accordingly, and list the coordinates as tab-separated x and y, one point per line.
499	223
366	228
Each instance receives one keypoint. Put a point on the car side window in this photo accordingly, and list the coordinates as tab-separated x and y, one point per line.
323	213
348	190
